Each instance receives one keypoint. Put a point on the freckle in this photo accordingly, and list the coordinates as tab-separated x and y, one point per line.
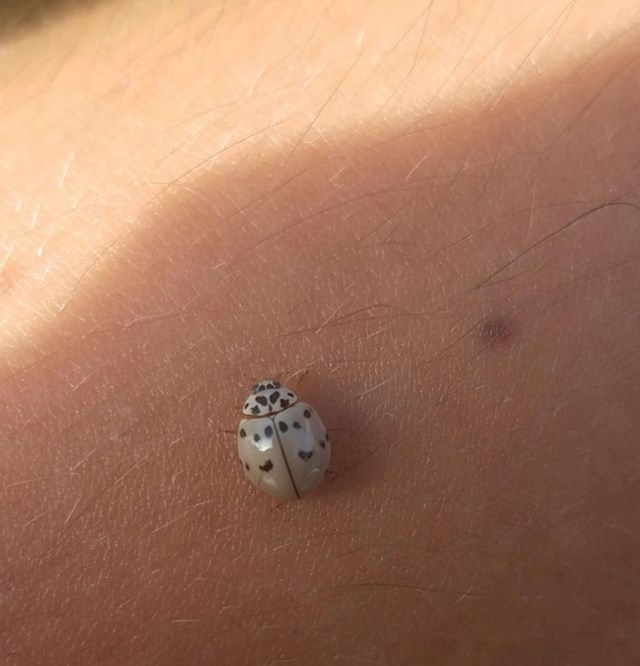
495	331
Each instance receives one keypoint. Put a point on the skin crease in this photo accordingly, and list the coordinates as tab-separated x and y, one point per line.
425	221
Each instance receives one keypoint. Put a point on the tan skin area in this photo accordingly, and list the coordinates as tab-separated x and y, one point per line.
427	222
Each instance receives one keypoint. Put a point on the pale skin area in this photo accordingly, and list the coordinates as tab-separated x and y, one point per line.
424	218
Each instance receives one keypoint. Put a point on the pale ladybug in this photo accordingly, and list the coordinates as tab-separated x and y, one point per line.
283	444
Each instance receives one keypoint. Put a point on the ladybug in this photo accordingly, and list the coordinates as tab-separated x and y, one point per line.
283	443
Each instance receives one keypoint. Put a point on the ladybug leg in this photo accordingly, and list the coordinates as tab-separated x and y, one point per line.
332	475
296	378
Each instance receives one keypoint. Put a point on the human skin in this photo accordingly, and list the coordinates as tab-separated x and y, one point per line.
425	219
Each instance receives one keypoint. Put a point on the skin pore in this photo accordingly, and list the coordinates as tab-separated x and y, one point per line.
424	217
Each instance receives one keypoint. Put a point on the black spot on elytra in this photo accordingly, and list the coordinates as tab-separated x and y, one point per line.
307	414
256	438
326	436
246	404
274	397
296	425
255	409
243	432
305	455
322	444
283	426
290	394
284	403
494	331
246	465
267	466
277	384
261	400
268	431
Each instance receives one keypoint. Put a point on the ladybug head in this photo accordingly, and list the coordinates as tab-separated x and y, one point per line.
268	397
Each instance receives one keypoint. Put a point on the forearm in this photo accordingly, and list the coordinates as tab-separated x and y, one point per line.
431	213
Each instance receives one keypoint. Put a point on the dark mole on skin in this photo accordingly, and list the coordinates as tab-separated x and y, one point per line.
495	331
